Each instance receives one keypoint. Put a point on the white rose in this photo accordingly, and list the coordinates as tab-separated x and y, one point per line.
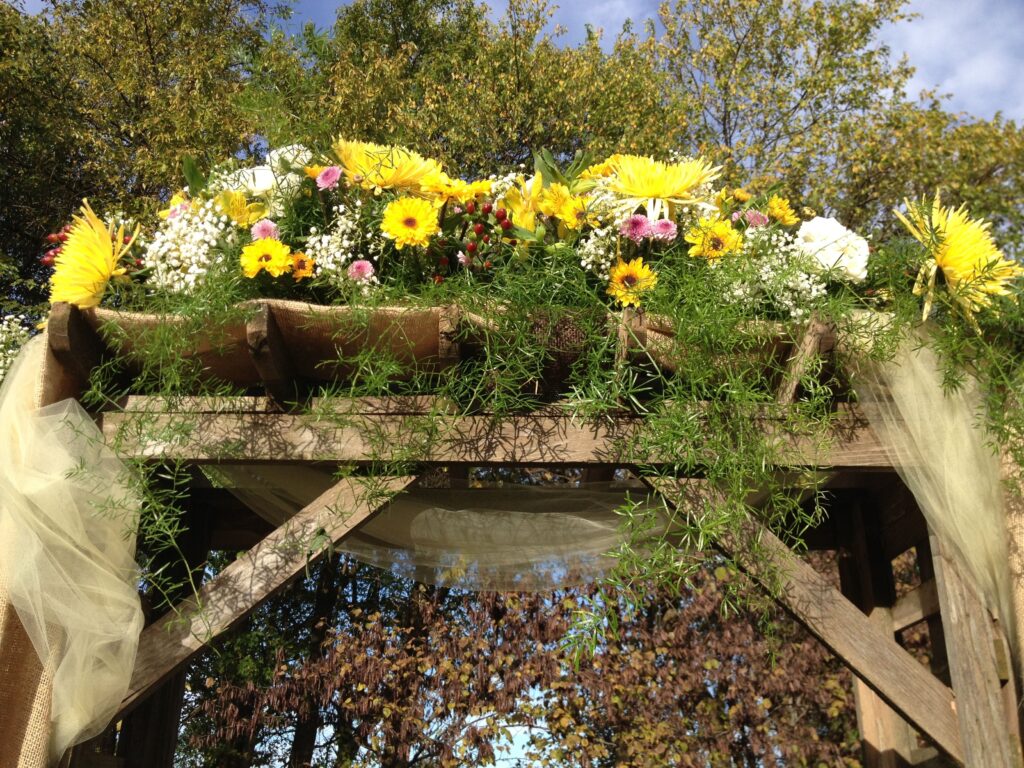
290	158
834	247
254	182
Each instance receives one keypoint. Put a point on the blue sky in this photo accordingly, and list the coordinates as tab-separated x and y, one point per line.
971	49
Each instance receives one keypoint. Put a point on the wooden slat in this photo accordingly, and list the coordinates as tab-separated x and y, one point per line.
915	606
870	652
175	638
270	356
809	347
973	667
527	439
74	343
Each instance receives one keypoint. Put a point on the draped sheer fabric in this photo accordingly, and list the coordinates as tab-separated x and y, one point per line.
67	512
508	538
944	456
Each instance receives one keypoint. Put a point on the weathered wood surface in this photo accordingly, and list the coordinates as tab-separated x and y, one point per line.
915	606
816	339
172	640
198	433
870	651
270	356
985	727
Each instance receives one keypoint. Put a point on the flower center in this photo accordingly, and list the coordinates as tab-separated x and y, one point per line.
629	281
717	244
265	257
409	221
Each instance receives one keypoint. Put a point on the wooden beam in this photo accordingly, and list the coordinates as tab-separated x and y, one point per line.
870	652
973	667
810	345
358	438
270	356
176	637
74	343
915	606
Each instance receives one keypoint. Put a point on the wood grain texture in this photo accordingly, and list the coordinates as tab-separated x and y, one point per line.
329	434
973	667
870	652
173	639
915	606
270	356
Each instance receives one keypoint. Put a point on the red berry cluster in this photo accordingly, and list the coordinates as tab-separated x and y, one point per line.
57	239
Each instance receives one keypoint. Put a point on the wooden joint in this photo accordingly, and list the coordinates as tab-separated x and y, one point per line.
74	342
270	356
917	605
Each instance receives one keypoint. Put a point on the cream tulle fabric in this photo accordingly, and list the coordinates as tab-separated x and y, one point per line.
946	460
67	554
510	538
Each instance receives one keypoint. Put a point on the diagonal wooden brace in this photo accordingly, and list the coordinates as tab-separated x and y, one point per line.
175	638
871	653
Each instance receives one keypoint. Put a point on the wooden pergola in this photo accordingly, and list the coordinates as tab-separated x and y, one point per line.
963	710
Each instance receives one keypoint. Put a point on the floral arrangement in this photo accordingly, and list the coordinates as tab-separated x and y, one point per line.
361	217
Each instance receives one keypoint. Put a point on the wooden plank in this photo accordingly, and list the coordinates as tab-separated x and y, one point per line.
915	606
176	637
75	345
270	356
480	440
973	666
807	348
870	652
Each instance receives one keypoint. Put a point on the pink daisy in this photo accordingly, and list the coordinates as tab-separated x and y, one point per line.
328	177
636	227
752	218
664	229
263	229
360	270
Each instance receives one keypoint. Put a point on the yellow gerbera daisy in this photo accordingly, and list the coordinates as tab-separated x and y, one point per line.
656	186
88	260
410	221
302	266
627	280
267	254
781	211
713	238
577	212
377	167
963	249
234	205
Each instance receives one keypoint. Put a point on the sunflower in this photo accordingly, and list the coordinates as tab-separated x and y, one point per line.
713	238
781	211
269	255
410	221
376	167
963	250
656	186
233	204
88	260
302	266
627	281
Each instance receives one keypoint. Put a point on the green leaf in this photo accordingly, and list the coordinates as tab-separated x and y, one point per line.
193	176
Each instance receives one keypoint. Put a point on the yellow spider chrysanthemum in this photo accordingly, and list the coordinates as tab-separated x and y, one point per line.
410	221
234	205
627	280
780	210
266	255
377	167
88	260
961	248
656	186
523	202
600	170
444	188
552	199
713	238
302	266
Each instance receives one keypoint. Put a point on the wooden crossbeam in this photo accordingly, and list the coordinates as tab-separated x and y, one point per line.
245	434
175	638
870	652
915	606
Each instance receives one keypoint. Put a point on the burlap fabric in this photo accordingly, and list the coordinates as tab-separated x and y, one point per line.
1013	504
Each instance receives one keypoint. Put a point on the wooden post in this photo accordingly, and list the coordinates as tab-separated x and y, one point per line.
971	643
867	580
